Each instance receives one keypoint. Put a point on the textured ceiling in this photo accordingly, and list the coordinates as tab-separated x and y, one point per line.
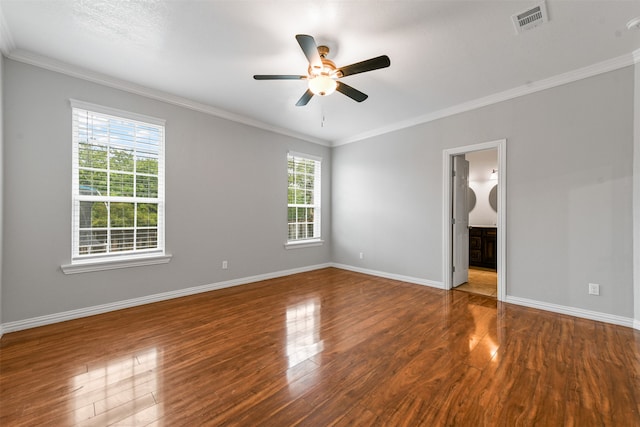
443	53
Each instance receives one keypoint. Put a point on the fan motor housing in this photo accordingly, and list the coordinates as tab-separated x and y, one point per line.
328	67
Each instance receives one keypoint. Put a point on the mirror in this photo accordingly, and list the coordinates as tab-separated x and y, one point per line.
493	198
471	199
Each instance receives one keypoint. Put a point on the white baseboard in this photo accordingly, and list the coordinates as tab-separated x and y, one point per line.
104	308
573	311
399	277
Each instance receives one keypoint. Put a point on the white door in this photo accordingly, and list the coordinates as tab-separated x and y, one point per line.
460	221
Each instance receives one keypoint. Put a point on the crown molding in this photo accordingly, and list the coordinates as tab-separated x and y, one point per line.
105	80
8	49
6	39
551	82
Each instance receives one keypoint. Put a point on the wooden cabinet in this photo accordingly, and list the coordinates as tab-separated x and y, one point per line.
483	247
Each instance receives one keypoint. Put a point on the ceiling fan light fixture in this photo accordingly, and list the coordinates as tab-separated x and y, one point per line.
322	85
322	77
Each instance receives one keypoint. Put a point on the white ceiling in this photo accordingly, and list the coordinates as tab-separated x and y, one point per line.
444	54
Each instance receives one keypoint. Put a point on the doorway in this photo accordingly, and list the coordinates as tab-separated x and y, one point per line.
485	246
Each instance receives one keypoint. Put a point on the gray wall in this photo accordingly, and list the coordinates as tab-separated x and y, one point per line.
636	198
225	191
569	195
1	175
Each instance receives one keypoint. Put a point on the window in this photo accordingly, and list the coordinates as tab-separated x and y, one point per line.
303	198
118	184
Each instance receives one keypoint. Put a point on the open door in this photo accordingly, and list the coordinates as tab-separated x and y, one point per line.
452	257
460	221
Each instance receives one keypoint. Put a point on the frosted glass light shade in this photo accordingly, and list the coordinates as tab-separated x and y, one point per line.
322	85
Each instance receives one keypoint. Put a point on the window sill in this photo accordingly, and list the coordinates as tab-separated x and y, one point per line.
303	244
112	264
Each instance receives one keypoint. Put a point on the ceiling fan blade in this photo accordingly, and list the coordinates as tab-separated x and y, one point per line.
361	67
310	49
305	98
278	77
351	92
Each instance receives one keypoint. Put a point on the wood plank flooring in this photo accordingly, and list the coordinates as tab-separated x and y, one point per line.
324	348
481	281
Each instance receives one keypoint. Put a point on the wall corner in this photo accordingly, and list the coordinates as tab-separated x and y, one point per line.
636	190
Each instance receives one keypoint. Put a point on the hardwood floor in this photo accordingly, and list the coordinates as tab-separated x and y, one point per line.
329	347
483	281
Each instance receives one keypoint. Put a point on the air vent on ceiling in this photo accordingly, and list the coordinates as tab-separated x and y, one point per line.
530	18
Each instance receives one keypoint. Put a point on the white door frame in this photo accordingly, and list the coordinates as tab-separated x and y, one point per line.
447	211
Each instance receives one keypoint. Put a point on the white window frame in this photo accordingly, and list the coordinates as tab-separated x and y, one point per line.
115	259
316	240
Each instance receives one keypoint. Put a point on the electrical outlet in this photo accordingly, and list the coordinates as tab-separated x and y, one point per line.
361	255
225	265
594	289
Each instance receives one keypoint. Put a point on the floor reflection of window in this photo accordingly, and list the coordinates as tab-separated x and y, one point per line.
118	391
303	331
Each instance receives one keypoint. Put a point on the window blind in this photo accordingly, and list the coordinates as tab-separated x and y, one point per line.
304	196
118	183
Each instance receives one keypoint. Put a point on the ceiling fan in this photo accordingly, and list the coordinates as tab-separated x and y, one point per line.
323	74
